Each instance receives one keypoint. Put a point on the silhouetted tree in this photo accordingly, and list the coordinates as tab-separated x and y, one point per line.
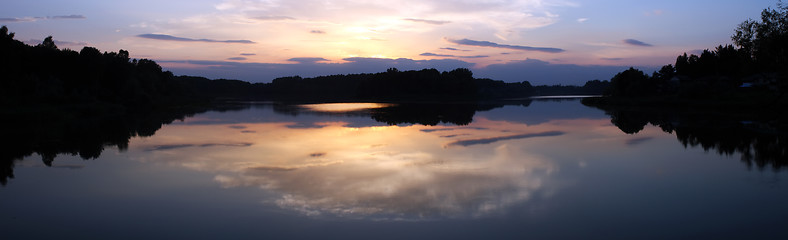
4	35
766	40
48	43
631	82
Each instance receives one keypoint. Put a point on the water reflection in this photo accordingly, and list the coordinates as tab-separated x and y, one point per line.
761	140
390	172
343	107
81	132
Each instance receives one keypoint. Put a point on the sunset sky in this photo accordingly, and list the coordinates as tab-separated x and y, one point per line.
541	41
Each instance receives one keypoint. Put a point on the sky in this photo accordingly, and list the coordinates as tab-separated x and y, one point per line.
541	41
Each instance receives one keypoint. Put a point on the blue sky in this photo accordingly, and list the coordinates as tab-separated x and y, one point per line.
541	41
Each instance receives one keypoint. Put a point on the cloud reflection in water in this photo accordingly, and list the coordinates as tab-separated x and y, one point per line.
387	172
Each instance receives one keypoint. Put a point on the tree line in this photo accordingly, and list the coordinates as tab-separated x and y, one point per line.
755	67
45	74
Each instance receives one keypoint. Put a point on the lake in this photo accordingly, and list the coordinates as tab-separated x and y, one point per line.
530	169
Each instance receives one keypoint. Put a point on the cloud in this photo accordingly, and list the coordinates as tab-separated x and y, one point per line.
634	42
273	18
612	59
33	19
502	17
429	54
181	39
186	145
638	141
477	141
248	54
73	16
469	42
454	49
582	20
25	19
307	60
427	21
237	58
317	32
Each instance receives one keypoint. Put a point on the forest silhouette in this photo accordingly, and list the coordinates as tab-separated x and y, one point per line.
751	74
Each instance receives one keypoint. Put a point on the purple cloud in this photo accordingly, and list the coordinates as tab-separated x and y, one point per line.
469	42
454	49
634	42
33	19
72	16
182	39
307	60
429	54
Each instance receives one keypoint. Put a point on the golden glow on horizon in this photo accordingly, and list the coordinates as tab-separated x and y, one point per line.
343	107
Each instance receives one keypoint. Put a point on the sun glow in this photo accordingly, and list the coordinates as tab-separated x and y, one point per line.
344	107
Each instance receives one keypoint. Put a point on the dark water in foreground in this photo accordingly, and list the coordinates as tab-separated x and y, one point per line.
545	170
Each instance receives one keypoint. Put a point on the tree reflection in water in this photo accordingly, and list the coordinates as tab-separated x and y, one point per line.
761	143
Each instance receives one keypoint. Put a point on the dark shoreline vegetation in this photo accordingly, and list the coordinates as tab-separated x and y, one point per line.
57	101
753	76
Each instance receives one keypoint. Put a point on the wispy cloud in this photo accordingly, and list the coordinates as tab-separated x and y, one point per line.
33	19
248	54
429	54
73	16
477	141
185	145
612	59
273	18
582	20
317	32
182	39
307	60
237	58
427	21
469	42
454	49
634	42
24	19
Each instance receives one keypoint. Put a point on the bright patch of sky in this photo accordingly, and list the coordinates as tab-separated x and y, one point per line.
371	35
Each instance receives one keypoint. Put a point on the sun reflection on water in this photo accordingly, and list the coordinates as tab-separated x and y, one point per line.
343	107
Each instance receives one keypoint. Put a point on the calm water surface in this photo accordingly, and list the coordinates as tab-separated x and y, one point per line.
543	170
